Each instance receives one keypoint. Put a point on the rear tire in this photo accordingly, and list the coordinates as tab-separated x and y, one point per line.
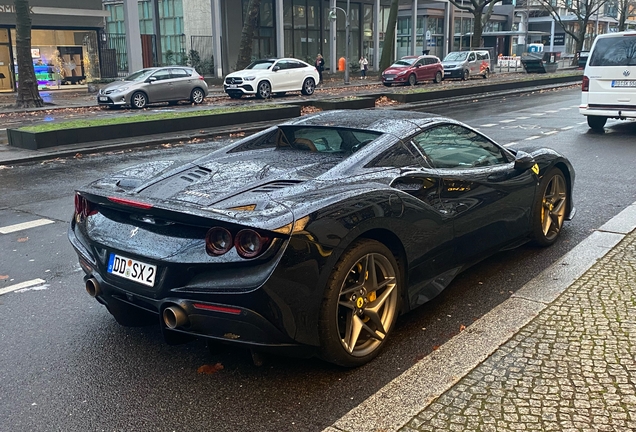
360	304
486	73
309	86
466	75
197	96
438	77
596	123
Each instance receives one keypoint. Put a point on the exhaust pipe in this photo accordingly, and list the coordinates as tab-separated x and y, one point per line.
174	317
92	288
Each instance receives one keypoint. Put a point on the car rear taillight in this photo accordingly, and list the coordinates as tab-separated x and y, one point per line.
201	78
130	203
585	86
249	243
84	207
218	241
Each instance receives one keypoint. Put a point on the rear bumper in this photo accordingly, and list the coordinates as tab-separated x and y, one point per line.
608	111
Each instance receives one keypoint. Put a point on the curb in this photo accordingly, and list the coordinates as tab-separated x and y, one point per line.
400	400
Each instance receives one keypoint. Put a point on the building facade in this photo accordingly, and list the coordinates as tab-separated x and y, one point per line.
64	42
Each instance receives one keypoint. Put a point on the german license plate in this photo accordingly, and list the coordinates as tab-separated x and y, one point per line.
103	99
447	73
389	79
233	86
624	83
131	269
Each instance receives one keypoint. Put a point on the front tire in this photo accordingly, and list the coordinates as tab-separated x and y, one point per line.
197	95
550	208
139	100
264	90
412	80
596	123
360	305
309	86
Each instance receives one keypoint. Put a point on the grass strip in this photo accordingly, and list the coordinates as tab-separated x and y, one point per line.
83	123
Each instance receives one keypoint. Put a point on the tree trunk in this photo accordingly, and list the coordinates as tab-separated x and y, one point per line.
578	46
478	29
247	36
389	37
28	94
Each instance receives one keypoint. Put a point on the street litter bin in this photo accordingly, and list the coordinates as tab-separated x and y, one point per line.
582	58
542	62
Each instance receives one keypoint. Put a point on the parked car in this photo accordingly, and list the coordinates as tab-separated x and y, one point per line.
413	69
609	80
267	76
464	64
161	84
312	236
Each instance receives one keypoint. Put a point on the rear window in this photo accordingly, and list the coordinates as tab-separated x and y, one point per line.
614	51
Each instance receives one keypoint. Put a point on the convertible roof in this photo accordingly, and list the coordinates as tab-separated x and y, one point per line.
376	120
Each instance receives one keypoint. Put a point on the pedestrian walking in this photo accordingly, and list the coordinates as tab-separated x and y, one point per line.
364	67
320	66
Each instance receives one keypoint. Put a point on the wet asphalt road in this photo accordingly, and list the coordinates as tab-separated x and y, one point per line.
66	365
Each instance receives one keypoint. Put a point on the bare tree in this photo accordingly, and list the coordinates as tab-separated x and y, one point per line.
28	94
388	49
582	10
626	9
247	36
481	10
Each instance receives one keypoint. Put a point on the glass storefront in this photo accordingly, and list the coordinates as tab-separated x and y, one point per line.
60	57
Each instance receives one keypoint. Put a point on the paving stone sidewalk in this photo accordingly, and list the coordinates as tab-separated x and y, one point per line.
573	368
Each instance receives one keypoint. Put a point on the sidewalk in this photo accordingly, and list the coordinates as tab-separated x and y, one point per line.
559	355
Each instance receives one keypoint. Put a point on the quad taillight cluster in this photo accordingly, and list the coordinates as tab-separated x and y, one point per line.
84	207
248	243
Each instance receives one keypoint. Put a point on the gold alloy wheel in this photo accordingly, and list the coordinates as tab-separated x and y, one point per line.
367	304
553	207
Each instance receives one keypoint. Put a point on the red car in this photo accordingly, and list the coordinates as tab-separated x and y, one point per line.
413	69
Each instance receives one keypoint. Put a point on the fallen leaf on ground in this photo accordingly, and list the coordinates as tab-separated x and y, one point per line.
462	327
210	369
23	239
4	277
435	347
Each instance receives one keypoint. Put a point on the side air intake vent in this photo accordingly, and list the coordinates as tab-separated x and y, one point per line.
196	174
274	186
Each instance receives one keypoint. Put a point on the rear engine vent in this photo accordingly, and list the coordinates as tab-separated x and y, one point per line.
196	174
274	186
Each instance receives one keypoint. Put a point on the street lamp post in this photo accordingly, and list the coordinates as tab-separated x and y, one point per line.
332	17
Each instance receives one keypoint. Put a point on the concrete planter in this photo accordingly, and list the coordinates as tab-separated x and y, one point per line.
478	89
353	103
38	140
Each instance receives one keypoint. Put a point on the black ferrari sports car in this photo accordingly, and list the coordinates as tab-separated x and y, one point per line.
311	237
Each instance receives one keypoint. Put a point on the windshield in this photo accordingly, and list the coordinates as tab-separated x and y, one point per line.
404	62
615	51
139	75
261	64
456	56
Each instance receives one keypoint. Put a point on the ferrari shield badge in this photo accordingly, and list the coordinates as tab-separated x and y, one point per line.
535	169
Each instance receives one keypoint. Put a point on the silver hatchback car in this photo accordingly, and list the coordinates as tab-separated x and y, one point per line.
160	84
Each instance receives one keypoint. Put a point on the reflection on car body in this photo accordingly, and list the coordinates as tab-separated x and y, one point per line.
312	236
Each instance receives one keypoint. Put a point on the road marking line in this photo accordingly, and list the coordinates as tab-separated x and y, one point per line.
567	128
510	144
21	285
507	121
574	106
551	111
489	125
585	122
3	129
537	114
565	109
532	138
523	118
550	133
26	225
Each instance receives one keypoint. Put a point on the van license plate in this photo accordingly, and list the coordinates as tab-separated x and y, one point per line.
624	83
131	269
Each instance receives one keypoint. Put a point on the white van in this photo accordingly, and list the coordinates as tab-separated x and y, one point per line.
609	81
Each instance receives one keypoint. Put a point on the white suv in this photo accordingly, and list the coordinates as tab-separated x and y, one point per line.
609	81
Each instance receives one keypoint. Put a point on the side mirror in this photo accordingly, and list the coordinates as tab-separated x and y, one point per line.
276	68
523	161
151	79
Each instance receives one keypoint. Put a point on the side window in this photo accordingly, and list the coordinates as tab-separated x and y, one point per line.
283	65
397	156
162	74
295	65
179	73
454	146
471	57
